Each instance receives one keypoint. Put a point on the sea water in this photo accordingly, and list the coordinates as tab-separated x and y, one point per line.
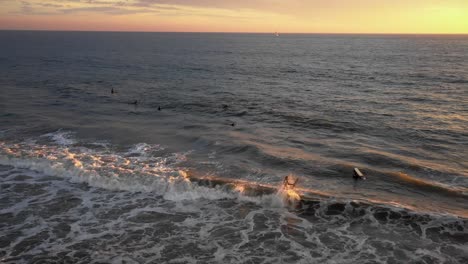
92	176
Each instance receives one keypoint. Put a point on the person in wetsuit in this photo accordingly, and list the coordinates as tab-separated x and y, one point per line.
288	184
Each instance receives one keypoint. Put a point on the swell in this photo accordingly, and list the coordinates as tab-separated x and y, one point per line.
115	215
142	168
342	122
377	163
146	168
430	186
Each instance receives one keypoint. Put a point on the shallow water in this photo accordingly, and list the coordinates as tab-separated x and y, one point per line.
87	176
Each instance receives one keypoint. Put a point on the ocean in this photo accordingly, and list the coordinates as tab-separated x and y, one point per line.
172	148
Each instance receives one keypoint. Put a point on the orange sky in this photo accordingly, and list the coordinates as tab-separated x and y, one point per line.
302	16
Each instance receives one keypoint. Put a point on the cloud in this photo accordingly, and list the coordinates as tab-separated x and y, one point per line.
110	10
26	7
237	4
169	4
57	7
50	5
208	8
242	9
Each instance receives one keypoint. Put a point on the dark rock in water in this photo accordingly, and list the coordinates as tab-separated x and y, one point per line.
233	124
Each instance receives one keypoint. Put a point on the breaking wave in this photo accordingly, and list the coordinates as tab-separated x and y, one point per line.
168	216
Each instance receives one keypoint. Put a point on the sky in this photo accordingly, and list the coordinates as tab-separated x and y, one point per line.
284	16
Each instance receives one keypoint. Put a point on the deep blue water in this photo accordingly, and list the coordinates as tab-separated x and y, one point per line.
252	107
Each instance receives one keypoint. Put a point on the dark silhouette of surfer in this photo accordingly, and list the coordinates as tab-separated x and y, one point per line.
358	175
134	102
112	91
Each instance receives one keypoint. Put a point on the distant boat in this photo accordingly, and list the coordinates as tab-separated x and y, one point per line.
277	34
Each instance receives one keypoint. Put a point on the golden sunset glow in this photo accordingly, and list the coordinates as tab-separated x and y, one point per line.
313	16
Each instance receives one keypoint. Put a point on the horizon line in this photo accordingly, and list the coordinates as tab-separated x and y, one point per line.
238	32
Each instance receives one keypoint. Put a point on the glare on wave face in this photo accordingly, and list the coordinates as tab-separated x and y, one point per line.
138	201
141	168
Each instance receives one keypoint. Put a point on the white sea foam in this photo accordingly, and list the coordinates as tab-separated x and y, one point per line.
61	137
115	171
141	193
186	227
144	149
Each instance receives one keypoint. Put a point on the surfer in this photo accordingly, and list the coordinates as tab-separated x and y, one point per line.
358	175
112	91
287	183
134	102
